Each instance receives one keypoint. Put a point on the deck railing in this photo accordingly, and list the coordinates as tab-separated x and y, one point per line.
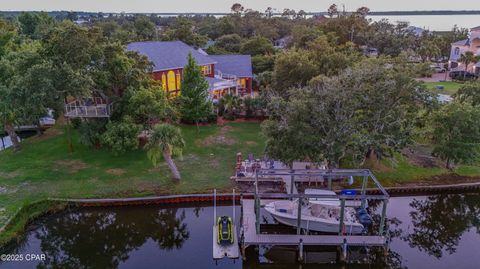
88	108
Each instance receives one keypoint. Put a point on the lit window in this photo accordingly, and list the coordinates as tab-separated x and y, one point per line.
171	80
179	81
164	81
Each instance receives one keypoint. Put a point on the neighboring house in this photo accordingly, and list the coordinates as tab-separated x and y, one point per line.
472	43
224	73
282	43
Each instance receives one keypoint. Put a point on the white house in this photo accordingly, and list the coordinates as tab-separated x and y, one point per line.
472	43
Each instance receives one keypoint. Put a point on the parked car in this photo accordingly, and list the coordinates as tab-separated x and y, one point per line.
462	75
438	68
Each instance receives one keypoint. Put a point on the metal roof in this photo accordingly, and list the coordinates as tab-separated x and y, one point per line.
238	65
168	54
461	42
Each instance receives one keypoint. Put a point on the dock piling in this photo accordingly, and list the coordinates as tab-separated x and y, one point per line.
382	220
300	250
342	216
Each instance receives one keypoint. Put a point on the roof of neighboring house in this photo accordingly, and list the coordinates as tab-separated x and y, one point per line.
475	28
168	54
461	42
238	65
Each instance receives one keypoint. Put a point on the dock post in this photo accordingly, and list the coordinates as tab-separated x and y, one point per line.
364	190
292	182
343	255
329	183
299	215
342	215
300	250
257	214
382	220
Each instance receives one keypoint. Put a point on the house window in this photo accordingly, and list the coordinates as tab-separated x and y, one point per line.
457	51
164	81
171	81
179	80
206	69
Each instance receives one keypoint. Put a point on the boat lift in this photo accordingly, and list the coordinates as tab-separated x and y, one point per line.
231	251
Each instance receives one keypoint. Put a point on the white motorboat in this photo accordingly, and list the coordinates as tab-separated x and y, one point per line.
317	214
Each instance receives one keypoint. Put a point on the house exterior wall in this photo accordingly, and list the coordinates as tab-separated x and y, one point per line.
457	50
171	79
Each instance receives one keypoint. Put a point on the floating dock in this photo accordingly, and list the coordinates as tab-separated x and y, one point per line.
231	251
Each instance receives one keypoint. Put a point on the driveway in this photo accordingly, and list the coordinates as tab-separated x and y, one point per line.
436	77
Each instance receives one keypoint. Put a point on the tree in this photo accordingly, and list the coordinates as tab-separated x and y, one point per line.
332	11
25	87
166	140
194	103
456	133
144	28
257	45
35	24
121	136
467	58
428	49
469	93
314	124
363	11
230	43
183	29
229	105
149	105
237	8
367	110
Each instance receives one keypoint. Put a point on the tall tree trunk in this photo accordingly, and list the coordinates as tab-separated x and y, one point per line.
13	136
167	155
449	164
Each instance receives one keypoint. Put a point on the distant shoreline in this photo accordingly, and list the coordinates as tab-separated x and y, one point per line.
372	13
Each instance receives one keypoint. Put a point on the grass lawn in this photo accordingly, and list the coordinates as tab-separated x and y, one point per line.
450	87
44	167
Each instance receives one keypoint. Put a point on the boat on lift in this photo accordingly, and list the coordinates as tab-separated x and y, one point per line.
317	214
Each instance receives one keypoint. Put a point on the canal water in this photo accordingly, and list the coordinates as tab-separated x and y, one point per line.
438	231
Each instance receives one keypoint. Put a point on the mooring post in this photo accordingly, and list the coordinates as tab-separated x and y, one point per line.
299	215
292	182
300	250
342	215
382	220
329	183
257	214
344	250
364	190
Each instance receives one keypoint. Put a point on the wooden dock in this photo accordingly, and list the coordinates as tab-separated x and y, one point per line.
252	238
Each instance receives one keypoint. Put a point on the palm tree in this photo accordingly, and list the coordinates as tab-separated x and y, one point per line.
468	58
166	140
230	104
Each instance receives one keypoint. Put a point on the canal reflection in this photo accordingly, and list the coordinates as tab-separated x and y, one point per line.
104	239
423	230
440	221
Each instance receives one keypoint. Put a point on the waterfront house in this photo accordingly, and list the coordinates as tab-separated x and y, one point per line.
224	73
472	43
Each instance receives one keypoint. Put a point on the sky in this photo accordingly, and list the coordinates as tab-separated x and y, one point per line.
148	6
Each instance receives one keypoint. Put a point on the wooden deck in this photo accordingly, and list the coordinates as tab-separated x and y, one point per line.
252	238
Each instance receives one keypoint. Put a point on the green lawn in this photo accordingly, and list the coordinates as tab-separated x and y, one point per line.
450	87
44	167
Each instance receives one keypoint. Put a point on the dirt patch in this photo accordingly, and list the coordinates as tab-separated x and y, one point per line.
3	190
422	156
116	171
10	174
251	143
72	166
220	138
